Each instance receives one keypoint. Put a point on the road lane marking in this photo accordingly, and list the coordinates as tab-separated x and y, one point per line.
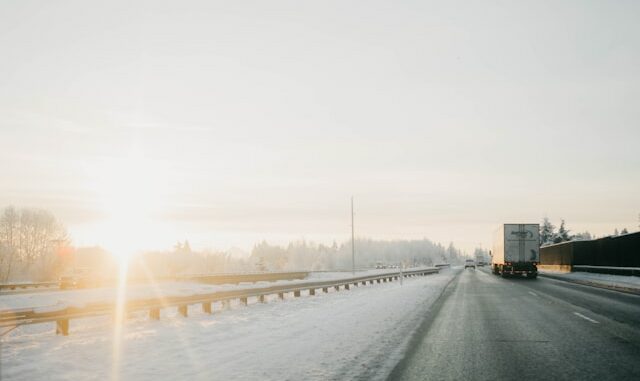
533	293
586	317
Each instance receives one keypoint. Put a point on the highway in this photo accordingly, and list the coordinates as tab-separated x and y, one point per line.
484	327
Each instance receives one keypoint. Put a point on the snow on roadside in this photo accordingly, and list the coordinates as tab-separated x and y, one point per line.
360	333
60	299
625	281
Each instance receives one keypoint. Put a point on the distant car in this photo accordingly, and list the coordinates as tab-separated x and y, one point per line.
67	282
79	279
470	263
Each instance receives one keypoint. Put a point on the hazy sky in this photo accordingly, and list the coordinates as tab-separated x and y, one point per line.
230	122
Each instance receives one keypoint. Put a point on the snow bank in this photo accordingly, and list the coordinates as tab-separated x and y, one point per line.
356	334
614	281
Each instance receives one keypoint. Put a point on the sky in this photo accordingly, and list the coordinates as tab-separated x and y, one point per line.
140	123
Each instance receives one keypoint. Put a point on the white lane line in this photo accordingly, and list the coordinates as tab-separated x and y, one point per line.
586	317
533	293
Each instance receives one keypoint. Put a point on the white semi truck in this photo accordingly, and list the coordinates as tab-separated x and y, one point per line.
516	250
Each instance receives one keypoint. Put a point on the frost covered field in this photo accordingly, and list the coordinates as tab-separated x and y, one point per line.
360	333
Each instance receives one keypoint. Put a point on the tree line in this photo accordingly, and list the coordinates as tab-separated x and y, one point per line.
369	252
32	244
549	235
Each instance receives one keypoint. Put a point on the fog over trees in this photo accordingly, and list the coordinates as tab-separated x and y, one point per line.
369	252
34	246
298	255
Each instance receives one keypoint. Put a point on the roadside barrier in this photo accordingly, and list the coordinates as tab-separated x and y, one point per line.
16	286
17	317
236	278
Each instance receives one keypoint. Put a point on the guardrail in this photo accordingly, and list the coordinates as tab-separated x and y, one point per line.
608	270
16	317
15	286
204	278
249	277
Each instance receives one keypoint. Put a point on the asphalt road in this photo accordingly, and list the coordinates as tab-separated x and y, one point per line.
485	327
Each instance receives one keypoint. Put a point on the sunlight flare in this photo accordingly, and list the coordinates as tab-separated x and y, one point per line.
131	195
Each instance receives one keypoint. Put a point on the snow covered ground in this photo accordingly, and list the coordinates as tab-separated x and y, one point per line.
356	334
60	299
619	281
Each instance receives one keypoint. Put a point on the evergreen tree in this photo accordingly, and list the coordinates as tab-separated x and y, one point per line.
624	231
563	234
452	253
186	248
546	232
583	236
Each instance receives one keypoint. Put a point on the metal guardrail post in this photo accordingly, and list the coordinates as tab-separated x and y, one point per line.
206	307
62	327
183	310
154	313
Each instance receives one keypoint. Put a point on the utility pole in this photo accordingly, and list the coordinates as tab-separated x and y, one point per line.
353	242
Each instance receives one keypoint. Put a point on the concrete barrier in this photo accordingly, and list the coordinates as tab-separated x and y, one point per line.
558	268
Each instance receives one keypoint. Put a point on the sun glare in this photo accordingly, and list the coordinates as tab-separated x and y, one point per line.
129	190
130	196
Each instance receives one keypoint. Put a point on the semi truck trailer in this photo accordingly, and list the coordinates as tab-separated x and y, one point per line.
516	250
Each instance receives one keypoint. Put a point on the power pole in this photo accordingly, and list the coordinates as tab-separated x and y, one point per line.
353	242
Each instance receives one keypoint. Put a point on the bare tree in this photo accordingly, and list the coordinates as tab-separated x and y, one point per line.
9	222
28	236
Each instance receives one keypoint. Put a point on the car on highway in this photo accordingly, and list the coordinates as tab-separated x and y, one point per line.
380	265
67	282
470	263
78	278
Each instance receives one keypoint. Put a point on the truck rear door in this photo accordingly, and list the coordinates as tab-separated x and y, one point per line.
521	243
